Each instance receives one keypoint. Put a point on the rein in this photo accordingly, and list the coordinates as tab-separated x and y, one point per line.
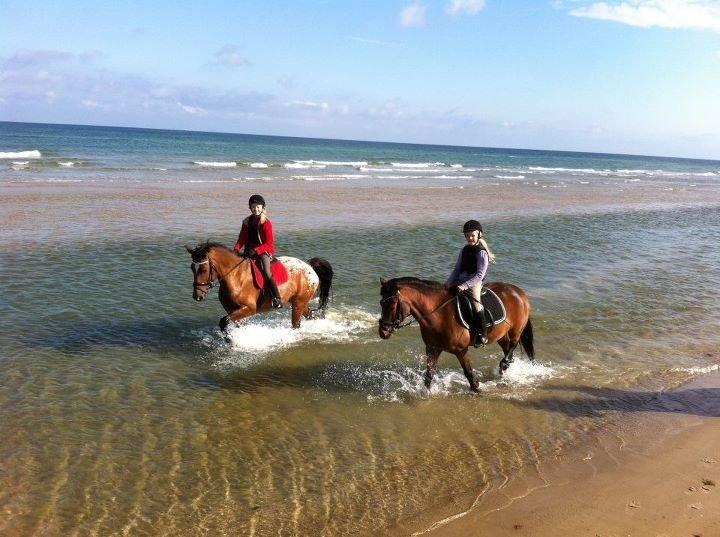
211	283
397	326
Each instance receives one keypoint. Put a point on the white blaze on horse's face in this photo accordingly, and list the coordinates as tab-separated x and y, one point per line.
472	237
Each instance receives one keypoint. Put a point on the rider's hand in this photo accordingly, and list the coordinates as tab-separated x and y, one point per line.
250	252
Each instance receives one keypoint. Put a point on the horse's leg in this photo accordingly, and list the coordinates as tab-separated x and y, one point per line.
234	317
297	312
300	309
508	347
432	354
464	360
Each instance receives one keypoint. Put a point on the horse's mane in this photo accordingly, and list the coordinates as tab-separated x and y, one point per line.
201	250
391	286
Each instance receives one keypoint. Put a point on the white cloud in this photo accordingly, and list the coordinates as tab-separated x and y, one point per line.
192	109
687	14
465	7
375	42
413	15
230	56
310	104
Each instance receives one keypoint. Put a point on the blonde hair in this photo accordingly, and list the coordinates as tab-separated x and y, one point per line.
483	242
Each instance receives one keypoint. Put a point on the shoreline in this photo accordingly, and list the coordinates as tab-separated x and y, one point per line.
40	212
657	474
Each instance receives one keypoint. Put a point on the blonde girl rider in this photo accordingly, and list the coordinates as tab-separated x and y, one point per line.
469	273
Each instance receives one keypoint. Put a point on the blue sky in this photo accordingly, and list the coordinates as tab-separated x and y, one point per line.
634	76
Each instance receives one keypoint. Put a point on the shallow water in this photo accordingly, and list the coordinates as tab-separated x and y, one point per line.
122	410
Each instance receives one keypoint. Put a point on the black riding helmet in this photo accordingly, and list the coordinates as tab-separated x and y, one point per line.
256	199
472	225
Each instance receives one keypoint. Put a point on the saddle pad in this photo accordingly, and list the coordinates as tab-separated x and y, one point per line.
490	301
279	271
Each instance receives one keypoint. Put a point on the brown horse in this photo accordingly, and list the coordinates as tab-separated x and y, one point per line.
214	263
433	307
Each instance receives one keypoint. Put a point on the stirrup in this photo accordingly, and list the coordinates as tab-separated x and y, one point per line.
276	304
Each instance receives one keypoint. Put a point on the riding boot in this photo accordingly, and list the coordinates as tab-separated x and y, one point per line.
479	334
276	301
483	327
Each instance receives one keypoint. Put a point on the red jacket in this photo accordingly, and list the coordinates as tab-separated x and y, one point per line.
264	243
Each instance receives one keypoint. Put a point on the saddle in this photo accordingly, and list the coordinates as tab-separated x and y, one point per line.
494	308
279	272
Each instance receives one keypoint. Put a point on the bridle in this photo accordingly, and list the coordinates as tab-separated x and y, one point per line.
210	283
397	323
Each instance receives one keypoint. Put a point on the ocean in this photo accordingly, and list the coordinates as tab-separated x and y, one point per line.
123	410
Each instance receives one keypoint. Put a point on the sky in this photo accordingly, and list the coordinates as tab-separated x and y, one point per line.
633	76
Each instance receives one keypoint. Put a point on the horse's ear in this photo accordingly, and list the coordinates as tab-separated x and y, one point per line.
383	281
190	250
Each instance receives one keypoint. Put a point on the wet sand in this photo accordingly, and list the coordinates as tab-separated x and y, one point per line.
82	211
660	477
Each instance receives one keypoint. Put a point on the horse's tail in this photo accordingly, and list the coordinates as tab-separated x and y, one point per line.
526	340
325	272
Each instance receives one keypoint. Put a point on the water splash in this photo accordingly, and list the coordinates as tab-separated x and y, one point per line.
405	383
257	338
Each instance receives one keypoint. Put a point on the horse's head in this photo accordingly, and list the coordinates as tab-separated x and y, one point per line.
203	270
393	309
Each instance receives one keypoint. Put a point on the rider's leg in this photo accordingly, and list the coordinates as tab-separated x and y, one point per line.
480	326
267	272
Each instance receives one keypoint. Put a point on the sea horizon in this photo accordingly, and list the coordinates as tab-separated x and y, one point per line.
368	141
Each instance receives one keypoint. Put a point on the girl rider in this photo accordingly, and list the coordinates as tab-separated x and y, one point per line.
469	273
256	237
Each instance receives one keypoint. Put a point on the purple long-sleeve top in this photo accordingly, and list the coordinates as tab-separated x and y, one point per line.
465	280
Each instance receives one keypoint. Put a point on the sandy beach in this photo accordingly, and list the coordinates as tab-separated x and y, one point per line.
660	477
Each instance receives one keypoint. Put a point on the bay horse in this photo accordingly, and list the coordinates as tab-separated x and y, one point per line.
433	307
214	263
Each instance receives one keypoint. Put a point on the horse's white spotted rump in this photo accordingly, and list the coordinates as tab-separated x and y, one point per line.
294	265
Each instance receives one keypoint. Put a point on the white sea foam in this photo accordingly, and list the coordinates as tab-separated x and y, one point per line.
369	169
208	164
303	166
417	164
456	165
20	154
452	177
570	170
509	176
258	337
66	164
329	177
258	165
333	162
20	164
402	384
400	176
